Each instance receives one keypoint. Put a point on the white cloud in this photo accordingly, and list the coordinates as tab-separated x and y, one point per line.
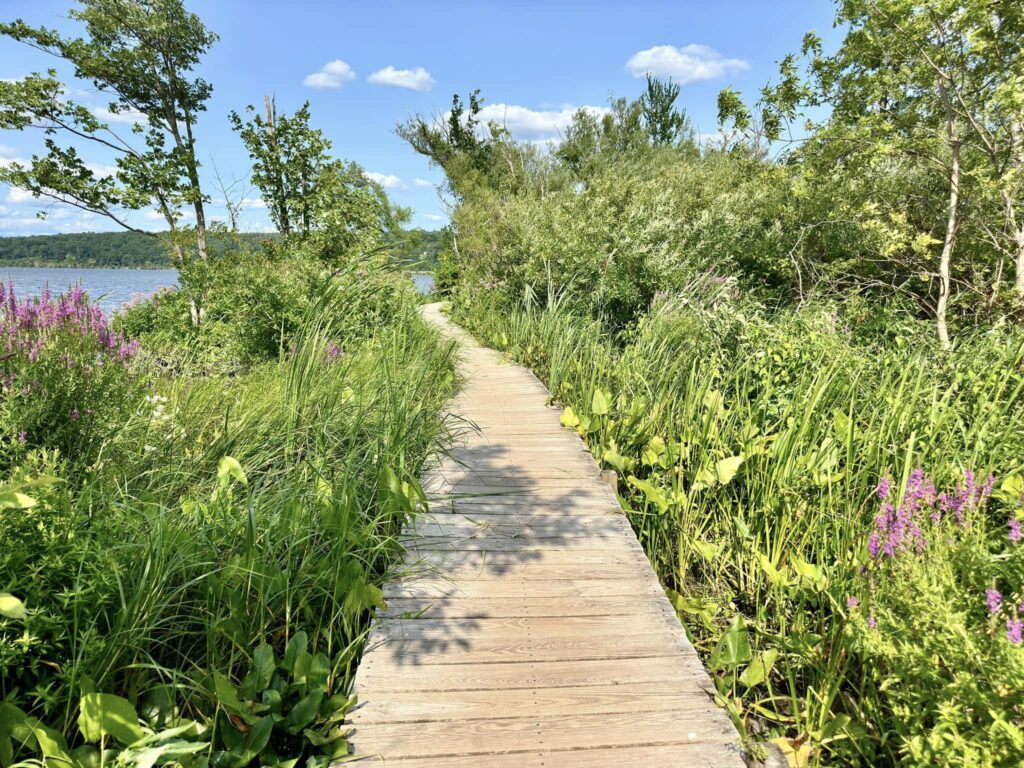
421	183
433	217
71	221
249	202
332	75
128	117
9	155
19	196
386	180
102	170
533	124
689	64
157	216
417	79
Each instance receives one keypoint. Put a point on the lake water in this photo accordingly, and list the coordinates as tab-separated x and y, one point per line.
110	288
113	288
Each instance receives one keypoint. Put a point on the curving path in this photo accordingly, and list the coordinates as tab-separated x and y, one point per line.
530	629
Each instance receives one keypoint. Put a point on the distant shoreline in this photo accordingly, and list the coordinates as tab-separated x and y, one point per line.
65	265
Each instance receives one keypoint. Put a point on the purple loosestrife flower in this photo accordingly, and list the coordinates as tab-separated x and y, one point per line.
1014	630
852	602
900	528
872	621
993	599
1015	532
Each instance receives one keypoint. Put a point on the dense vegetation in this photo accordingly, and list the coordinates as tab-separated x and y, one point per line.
200	498
413	248
803	358
102	249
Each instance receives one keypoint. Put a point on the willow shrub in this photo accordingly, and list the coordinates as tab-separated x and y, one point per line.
749	448
204	601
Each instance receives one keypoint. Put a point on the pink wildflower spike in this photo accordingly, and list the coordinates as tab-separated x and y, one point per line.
852	602
993	600
872	621
1015	631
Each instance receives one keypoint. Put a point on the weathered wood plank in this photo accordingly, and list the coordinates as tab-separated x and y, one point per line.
399	707
524	734
690	755
381	672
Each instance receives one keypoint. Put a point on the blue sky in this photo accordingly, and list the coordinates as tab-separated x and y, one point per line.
365	66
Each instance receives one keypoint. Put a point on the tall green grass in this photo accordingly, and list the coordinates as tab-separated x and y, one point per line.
748	449
245	516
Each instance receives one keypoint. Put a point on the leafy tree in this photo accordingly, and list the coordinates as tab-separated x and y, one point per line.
470	154
351	216
666	126
288	157
930	91
140	53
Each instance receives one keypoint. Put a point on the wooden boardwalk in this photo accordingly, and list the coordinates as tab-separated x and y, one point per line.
530	630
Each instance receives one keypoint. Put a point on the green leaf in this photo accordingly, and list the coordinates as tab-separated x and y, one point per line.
654	494
600	403
15	500
777	576
725	470
733	647
809	573
707	549
229	468
318	673
304	712
227	696
613	458
569	418
263	667
1011	489
295	648
52	745
103	714
759	669
258	736
11	607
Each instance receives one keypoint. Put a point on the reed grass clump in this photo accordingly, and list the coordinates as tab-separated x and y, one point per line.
203	600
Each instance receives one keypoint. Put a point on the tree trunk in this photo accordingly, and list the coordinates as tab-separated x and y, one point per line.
1018	284
281	204
952	225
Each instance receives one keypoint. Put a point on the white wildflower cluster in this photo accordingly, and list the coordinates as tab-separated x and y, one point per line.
158	402
161	418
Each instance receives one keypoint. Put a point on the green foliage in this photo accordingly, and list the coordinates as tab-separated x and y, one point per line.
66	380
242	511
288	159
257	304
946	685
